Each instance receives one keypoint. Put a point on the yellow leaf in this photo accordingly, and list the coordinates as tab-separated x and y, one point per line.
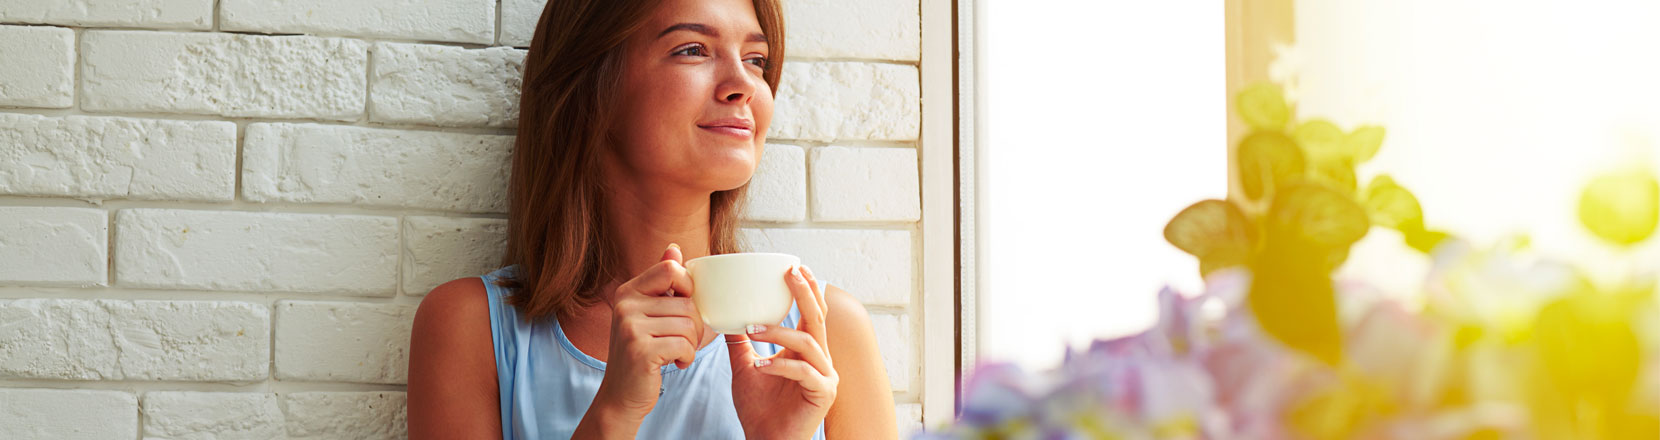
1267	160
1363	143
1392	206
1263	107
1322	141
1622	208
1215	231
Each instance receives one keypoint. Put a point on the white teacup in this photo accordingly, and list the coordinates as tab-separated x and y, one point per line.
732	291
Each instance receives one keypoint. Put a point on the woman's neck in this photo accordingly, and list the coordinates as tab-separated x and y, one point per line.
644	218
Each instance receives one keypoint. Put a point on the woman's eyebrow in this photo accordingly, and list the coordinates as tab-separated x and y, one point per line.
704	29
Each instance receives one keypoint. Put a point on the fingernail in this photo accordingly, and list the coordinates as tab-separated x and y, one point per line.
755	328
795	270
762	362
674	246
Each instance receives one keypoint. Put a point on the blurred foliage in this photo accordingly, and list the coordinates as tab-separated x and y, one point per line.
1299	214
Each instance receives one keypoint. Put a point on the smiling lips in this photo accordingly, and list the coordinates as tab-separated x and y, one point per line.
738	127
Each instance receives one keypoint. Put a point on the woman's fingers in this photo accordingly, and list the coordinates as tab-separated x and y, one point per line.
799	342
671	349
804	374
812	281
806	300
662	306
740	351
671	326
659	280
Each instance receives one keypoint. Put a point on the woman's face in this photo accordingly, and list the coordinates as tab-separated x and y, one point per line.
695	107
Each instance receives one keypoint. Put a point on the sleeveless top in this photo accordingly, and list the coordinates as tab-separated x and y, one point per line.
546	383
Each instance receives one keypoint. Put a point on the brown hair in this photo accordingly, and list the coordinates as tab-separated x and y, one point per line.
556	230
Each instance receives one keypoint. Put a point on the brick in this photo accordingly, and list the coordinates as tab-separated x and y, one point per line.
193	340
440	249
870	29
67	414
827	101
224	74
778	191
518	21
899	355
446	85
343	342
253	251
909	418
866	184
211	415
39	70
461	21
346	415
171	14
134	340
308	163
117	158
53	246
873	265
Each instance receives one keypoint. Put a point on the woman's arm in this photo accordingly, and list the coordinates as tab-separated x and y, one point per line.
864	400
452	365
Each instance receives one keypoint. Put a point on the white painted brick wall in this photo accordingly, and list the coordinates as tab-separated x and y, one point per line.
164	14
39	66
67	414
518	21
778	190
196	415
879	29
192	210
117	158
136	340
866	184
439	249
895	338
873	265
444	85
183	249
346	415
461	21
343	342
53	246
223	74
314	163
828	101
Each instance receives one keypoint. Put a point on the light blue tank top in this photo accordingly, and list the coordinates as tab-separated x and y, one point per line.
547	384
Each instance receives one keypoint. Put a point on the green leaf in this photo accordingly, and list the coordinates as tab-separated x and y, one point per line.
1263	107
1363	143
1622	208
1267	160
1391	205
1322	142
1316	216
1215	231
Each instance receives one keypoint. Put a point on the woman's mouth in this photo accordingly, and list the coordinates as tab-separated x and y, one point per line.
736	127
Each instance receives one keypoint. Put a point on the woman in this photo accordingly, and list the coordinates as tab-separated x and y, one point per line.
641	124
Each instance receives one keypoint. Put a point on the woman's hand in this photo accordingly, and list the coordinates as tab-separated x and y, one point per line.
787	395
653	323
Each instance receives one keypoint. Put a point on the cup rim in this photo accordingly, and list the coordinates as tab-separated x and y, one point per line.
737	254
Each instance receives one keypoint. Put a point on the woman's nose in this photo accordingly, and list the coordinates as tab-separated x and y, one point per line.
737	85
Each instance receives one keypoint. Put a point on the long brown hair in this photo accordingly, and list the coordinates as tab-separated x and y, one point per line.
556	230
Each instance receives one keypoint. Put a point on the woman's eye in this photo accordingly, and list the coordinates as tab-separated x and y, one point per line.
759	61
695	50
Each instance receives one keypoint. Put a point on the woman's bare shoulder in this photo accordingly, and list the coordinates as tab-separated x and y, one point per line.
452	364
